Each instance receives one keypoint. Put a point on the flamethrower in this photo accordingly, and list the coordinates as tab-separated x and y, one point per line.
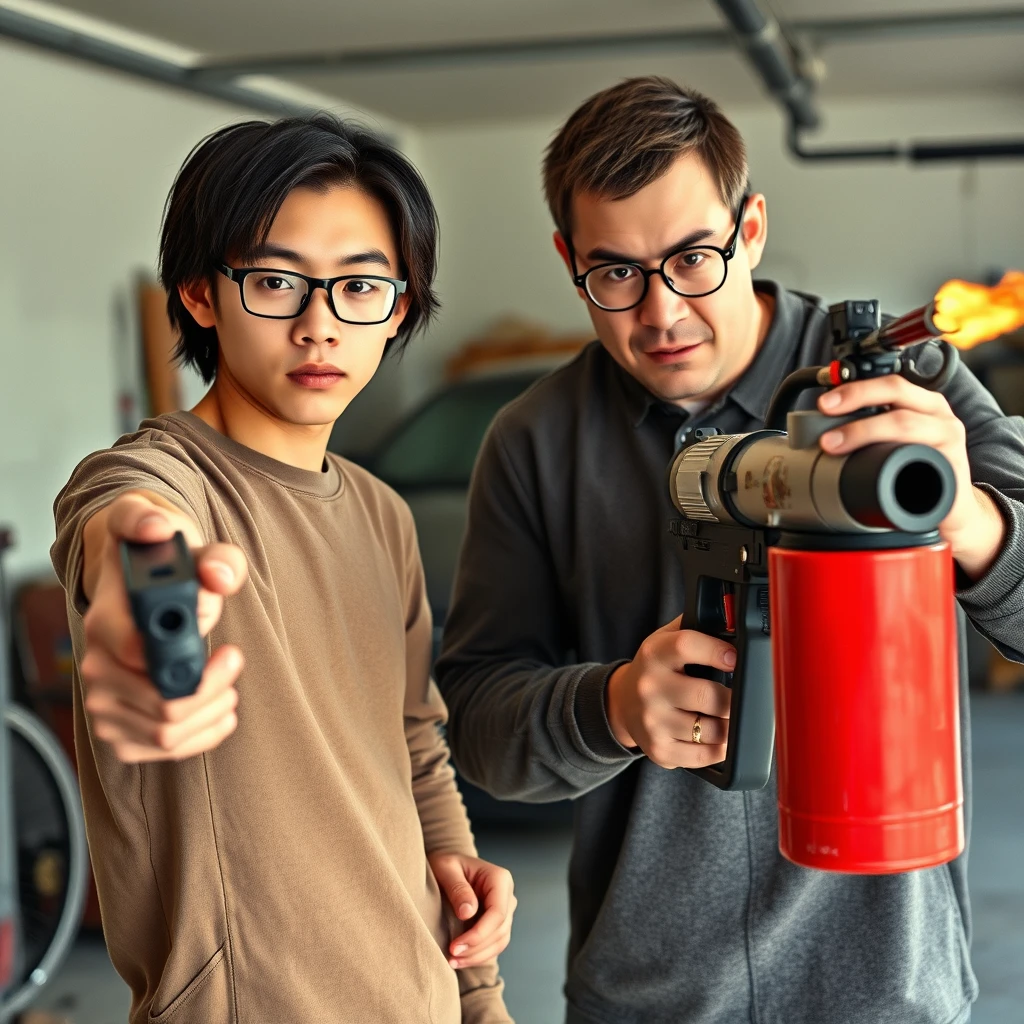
828	575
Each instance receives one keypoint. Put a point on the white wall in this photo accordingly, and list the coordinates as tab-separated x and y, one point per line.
849	230
86	161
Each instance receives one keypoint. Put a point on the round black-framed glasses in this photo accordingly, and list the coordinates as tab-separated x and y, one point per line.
692	272
364	299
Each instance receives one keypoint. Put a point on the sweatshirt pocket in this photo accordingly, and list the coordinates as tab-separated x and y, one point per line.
206	999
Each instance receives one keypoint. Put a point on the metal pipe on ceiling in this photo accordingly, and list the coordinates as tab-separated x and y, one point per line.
759	34
38	32
916	152
848	30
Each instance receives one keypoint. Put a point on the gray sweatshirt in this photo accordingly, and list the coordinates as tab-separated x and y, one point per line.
682	909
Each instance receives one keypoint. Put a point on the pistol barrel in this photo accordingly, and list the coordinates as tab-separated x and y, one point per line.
910	329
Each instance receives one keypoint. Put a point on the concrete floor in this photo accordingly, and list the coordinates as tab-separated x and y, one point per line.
89	992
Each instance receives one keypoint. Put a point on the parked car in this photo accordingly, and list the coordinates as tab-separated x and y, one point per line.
428	458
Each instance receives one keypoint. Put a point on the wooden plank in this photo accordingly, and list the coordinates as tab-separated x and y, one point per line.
163	378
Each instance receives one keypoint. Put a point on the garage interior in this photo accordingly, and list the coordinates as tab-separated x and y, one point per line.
888	140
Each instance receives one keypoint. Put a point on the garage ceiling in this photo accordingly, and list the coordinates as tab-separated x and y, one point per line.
228	30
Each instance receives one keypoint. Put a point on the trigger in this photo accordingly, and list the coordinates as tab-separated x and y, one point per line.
729	612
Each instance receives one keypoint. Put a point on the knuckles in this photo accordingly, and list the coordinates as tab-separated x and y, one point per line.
662	754
905	420
648	722
646	688
125	752
91	624
91	669
648	651
702	696
165	737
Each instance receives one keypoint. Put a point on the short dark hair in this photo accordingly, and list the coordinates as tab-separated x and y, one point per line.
231	187
622	139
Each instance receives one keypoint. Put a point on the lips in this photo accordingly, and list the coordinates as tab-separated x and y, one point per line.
317	375
669	355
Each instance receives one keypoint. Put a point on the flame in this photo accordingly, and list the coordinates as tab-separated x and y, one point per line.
968	314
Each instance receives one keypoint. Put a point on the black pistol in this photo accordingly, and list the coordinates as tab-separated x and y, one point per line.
163	591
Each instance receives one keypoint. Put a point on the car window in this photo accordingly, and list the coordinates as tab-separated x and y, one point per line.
438	444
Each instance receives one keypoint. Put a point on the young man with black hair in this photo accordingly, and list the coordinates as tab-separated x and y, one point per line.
561	675
287	844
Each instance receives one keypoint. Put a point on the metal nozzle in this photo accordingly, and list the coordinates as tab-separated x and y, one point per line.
910	329
905	487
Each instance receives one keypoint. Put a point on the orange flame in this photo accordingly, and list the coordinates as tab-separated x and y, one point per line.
968	314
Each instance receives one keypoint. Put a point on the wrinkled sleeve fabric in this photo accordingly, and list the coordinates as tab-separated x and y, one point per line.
995	450
524	724
441	811
103	476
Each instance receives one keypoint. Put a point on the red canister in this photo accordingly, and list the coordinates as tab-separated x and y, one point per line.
866	705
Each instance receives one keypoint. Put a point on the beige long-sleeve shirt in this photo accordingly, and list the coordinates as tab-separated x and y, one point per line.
282	877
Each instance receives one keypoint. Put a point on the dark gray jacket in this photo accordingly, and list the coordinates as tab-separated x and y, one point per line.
683	911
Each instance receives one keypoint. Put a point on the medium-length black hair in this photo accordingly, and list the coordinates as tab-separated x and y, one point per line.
231	187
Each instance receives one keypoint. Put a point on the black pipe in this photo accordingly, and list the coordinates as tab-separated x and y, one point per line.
892	151
915	152
785	394
923	152
760	38
488	52
50	36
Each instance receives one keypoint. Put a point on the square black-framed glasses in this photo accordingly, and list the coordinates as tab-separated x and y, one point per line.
312	283
726	253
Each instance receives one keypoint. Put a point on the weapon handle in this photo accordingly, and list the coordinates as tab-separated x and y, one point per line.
941	377
751	739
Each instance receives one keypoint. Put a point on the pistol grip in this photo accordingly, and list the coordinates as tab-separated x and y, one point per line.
751	739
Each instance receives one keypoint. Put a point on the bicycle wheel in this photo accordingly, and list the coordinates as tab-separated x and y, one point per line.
52	854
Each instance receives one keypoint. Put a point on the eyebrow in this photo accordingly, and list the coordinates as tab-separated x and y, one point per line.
270	251
609	256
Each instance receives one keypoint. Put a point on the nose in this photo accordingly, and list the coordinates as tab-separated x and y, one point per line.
662	308
316	325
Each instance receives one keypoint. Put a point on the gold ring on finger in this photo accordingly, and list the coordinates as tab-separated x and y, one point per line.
696	729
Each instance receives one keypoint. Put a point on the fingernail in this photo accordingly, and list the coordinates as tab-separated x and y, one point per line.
153	519
729	658
453	963
830	400
465	908
222	571
833	439
459	950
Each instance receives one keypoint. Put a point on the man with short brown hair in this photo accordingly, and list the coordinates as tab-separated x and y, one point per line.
562	680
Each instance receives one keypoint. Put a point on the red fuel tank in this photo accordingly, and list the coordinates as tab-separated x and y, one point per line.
867	709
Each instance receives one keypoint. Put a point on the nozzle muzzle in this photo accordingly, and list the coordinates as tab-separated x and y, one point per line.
905	487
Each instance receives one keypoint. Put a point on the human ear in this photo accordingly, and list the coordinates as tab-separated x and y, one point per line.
401	309
197	297
563	251
755	229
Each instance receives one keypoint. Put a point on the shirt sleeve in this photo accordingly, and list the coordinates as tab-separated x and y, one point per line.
441	810
148	464
995	451
524	724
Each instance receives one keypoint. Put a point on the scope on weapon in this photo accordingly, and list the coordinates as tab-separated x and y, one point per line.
828	575
785	481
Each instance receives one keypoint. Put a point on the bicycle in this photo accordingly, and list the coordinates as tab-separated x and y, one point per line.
43	854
